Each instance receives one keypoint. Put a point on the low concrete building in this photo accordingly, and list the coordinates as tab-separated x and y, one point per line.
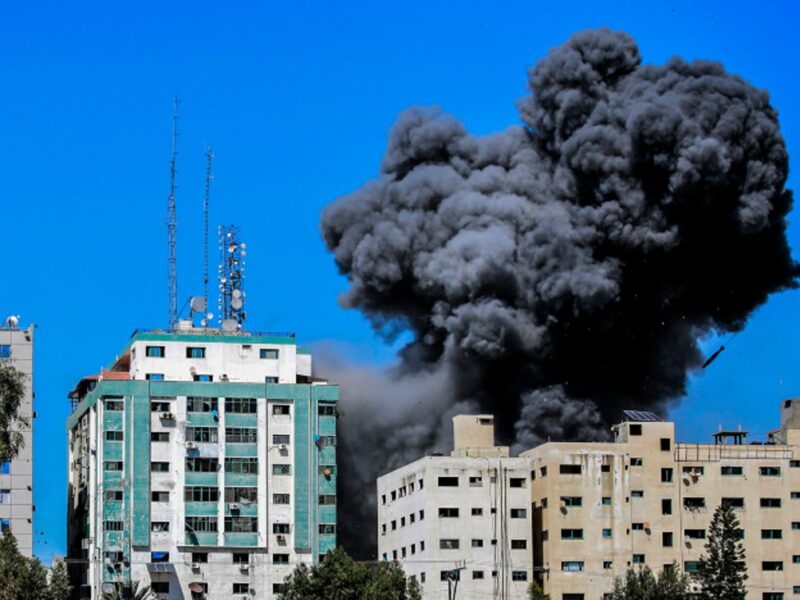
460	522
16	475
202	463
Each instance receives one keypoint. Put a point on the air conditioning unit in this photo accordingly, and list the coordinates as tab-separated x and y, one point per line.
284	448
167	416
281	538
191	446
244	568
234	506
195	566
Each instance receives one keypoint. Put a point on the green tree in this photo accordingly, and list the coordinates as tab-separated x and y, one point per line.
140	592
12	391
339	577
536	593
723	570
642	584
59	587
11	568
413	592
33	580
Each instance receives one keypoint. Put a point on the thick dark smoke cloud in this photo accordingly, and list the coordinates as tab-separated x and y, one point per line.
561	270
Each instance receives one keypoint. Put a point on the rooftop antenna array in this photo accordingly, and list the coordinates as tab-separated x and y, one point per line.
209	177
172	225
231	279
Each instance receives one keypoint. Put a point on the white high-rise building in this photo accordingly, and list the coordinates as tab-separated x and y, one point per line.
202	463
16	475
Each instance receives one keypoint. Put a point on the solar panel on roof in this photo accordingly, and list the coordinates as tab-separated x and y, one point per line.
644	416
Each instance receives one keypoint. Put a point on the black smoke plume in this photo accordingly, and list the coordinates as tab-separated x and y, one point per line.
561	270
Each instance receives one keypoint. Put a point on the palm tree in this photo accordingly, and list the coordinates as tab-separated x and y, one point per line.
138	592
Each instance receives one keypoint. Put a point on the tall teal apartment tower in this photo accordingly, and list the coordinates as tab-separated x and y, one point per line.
203	463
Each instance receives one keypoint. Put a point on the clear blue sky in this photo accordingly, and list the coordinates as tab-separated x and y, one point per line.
296	99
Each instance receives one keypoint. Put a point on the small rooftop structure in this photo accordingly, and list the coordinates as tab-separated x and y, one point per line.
473	435
730	437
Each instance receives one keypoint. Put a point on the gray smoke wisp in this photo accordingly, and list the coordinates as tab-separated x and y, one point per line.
563	269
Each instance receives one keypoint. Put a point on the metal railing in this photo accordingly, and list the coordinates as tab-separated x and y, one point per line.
717	452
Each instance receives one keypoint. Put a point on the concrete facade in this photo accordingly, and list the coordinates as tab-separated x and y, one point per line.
596	509
468	512
202	463
16	476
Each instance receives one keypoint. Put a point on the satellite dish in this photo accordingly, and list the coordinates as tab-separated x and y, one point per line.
237	293
12	321
243	245
236	303
209	316
198	304
230	325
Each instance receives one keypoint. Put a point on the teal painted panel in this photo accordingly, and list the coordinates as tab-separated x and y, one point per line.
211	389
241	539
106	388
327	455
194	419
112	479
327	425
306	351
112	420
193	478
246	450
325	392
245	510
285	340
201	509
280	391
112	540
112	450
238	420
327	514
327	486
202	538
326	543
241	480
112	511
138	439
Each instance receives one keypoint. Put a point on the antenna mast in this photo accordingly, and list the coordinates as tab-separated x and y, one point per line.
172	225
209	177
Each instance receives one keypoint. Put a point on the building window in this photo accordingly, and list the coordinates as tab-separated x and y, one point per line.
448	513
114	436
607	533
195	352
281	469
269	353
448	481
115	405
280	498
159	587
605	468
519	513
241	588
159	526
112	526
241	435
666	475
245	495
247	406
796	559
730	470
691	566
637	526
163	407
734	502
328	529
477	575
247	466
636	462
694	503
516	482
519	576
666	506
771	534
519	544
201	494
326	410
201	405
795	525
772	565
450	575
570	469
196	464
159	467
269	379
5	467
448	544
543	472
666	539
695	534
572	501
769	471
666	444
772	596
635	429
281	410
241	524
637	493
154	351
199	557
794	464
280	439
475	481
421	515
203	378
112	465
201	434
607	564
280	559
327	499
638	559
476	543
159	496
770	502
110	496
794	495
477	512
572	565
159	436
154	376
694	470
201	524
572	534
606	501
